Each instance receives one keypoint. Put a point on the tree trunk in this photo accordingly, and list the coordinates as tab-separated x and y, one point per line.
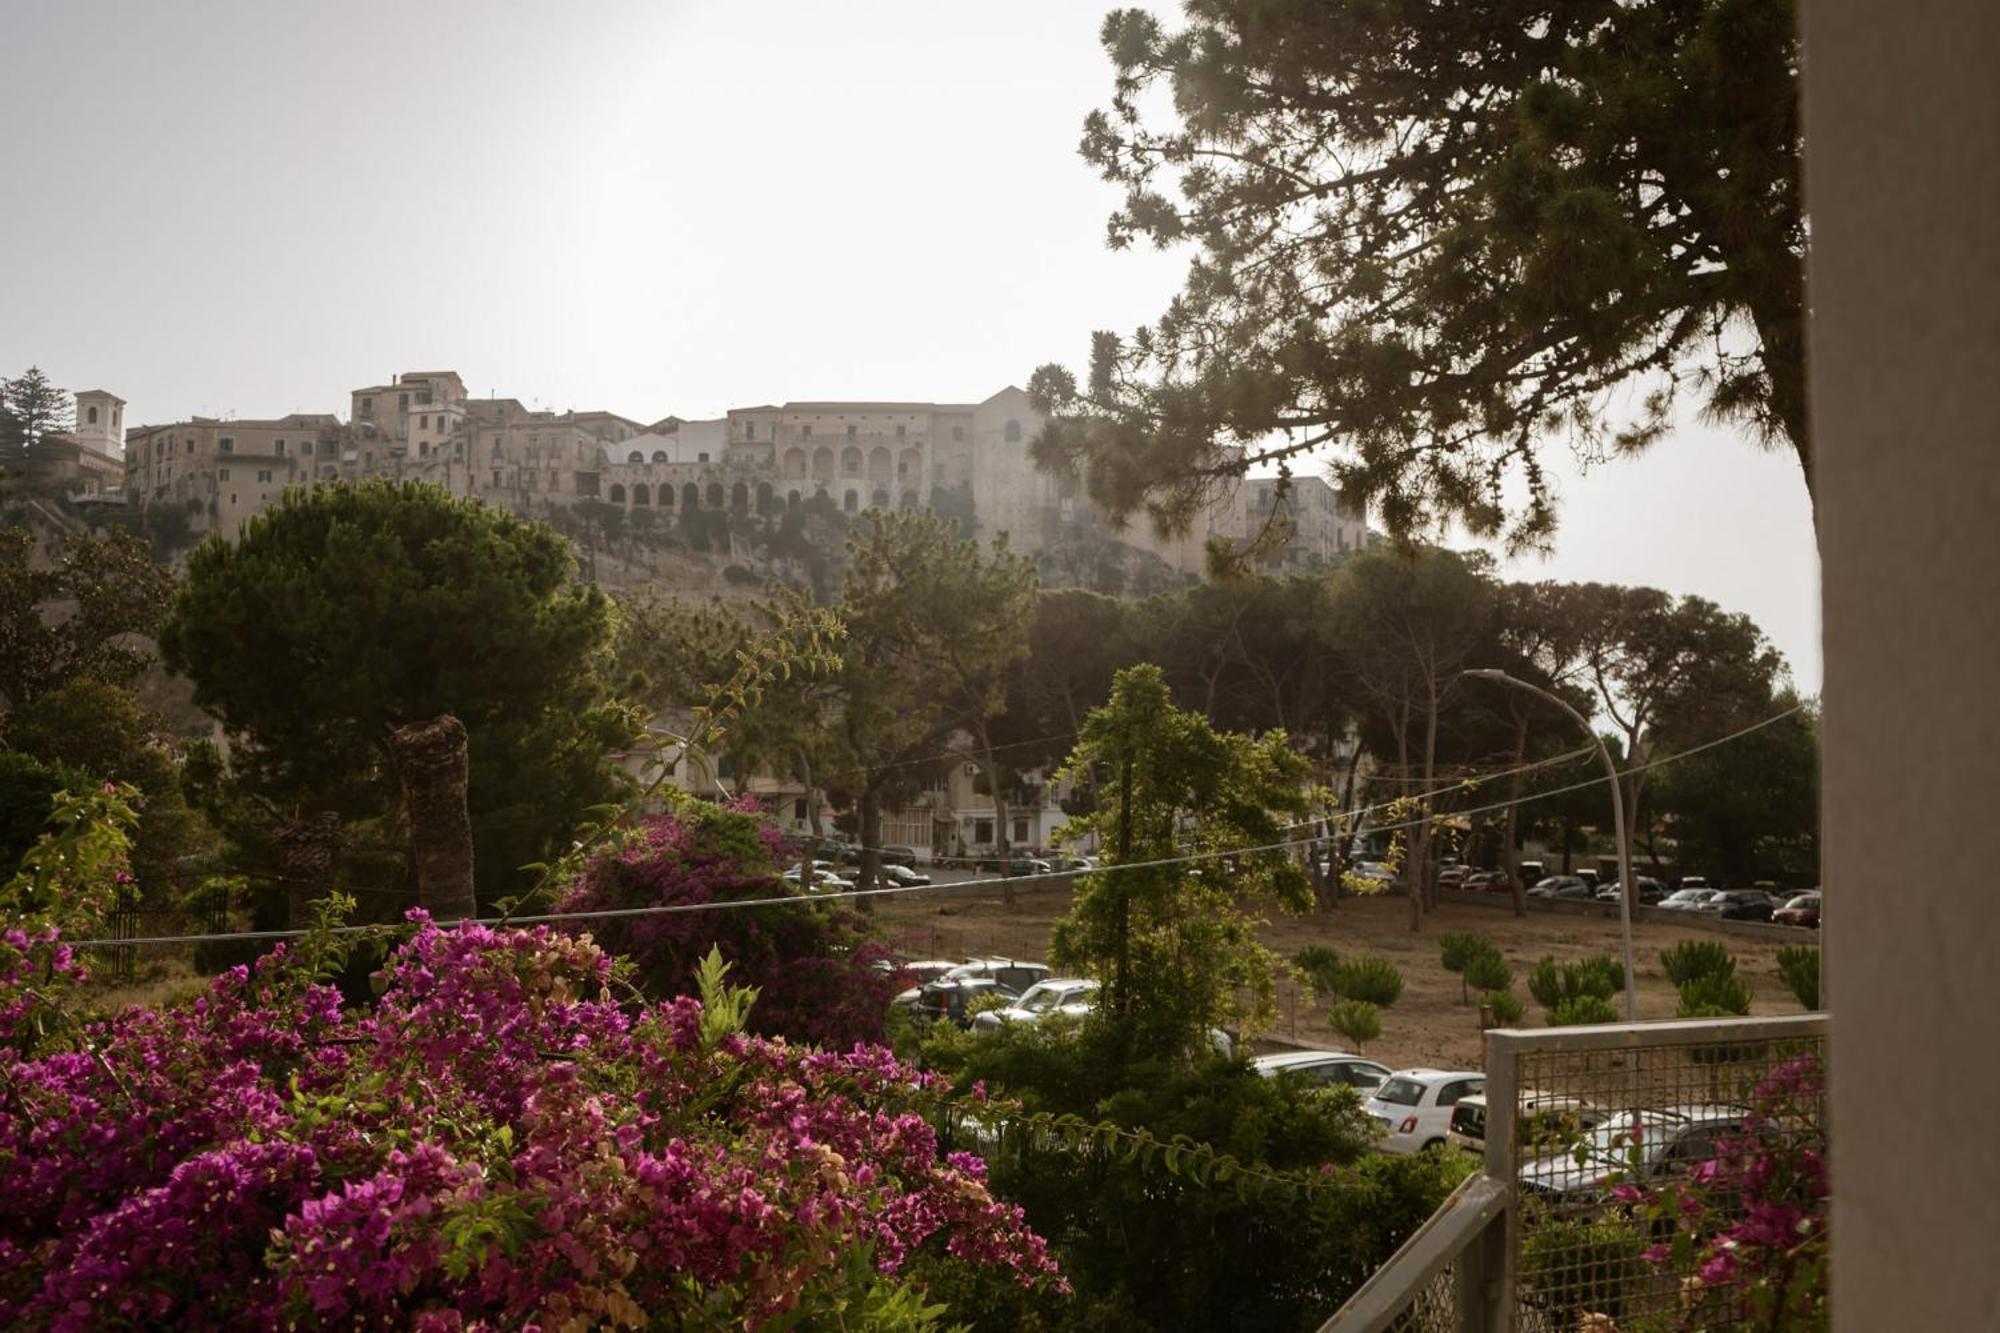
1510	853
430	758
1001	827
306	848
869	813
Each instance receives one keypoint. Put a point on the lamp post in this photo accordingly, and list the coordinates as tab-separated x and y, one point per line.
1617	819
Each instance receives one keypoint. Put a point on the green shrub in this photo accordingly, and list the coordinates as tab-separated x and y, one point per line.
1799	966
1356	1020
1552	983
1578	1010
1488	971
1319	964
1499	1009
1375	980
1703	995
1572	1267
1696	958
1456	950
1604	975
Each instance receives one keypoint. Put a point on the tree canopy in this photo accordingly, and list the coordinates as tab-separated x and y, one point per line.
348	612
1432	237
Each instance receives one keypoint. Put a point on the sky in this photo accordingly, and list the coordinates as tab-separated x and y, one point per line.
654	207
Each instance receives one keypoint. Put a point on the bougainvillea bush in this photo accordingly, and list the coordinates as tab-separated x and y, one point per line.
813	964
1748	1238
503	1141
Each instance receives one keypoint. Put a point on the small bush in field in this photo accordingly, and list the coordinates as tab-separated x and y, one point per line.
1320	965
1499	1009
1581	1009
1356	1020
1703	997
1489	972
1552	983
1799	966
1696	958
1456	950
1375	980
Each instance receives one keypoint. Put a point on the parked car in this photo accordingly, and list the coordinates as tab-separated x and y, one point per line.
901	876
951	995
1373	871
1800	911
1531	872
1630	1146
1650	891
1589	876
1741	905
1563	886
1451	876
1694	882
1488	881
1688	900
1545	1122
1414	1106
1056	995
919	972
1334	1068
823	881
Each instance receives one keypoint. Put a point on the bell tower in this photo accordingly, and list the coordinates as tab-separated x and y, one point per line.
100	422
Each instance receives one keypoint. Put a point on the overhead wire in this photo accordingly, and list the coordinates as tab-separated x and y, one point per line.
960	886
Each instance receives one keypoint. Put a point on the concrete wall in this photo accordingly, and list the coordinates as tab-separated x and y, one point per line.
1903	187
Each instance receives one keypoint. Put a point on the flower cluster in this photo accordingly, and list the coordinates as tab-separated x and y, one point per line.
1750	1225
813	965
498	1142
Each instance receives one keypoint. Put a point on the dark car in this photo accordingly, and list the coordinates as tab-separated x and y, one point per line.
1026	865
1743	905
1651	892
1800	911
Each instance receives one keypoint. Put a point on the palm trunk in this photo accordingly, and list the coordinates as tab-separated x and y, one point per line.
430	758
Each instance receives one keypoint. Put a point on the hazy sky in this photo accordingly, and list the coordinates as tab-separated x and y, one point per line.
650	207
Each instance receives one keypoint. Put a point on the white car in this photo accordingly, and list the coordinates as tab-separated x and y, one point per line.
1335	1068
1057	995
1414	1106
823	881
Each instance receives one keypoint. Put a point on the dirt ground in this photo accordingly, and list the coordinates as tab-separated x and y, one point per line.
1428	1025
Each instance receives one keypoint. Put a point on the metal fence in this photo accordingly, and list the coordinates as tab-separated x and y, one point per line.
1582	1126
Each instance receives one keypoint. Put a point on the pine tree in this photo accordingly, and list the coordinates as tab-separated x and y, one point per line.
34	409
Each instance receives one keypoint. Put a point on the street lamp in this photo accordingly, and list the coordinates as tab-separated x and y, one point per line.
1617	818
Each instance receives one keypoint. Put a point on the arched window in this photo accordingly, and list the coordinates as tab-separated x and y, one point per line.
93	416
909	500
640	495
715	495
795	462
635	457
617	494
666	495
823	464
911	465
659	455
739	497
880	500
852	502
792	499
880	464
766	498
850	462
690	497
1013	432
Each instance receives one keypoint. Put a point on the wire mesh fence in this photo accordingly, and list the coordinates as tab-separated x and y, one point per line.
1611	1135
